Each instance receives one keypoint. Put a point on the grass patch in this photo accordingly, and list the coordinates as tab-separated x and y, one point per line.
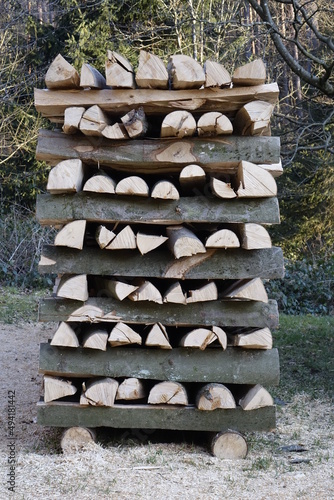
18	305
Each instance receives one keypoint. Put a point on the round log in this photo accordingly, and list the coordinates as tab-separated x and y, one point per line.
76	438
230	445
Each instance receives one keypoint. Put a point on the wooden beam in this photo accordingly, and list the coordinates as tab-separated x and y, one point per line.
232	366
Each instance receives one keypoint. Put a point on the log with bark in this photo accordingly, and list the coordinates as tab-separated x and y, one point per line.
131	389
256	397
253	73
178	124
122	334
57	388
183	242
72	235
132	185
216	75
148	242
151	72
164	190
91	77
95	337
213	396
158	337
135	123
254	181
258	339
223	238
93	121
100	392
214	123
172	393
100	183
254	119
66	177
61	75
119	71
72	118
73	287
65	336
254	236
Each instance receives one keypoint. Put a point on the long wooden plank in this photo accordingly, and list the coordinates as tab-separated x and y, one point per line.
156	417
52	104
101	208
160	155
266	263
219	313
233	366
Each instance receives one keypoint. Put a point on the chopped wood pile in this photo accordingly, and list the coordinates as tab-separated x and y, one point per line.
162	187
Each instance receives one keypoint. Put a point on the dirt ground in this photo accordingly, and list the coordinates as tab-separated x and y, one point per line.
130	464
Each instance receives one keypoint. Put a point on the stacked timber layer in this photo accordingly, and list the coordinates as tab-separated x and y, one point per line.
162	185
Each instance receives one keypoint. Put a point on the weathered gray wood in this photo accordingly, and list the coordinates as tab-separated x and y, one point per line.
158	156
101	208
226	313
156	417
238	263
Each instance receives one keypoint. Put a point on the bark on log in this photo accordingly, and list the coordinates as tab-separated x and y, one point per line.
135	123
91	77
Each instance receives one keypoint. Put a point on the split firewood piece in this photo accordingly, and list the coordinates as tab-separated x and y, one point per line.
183	242
204	294
116	132
119	71
86	313
95	338
165	190
179	124
124	240
123	334
252	289
213	396
72	118
254	182
254	236
65	336
56	388
146	291
117	289
216	75
171	393
259	339
104	236
229	445
185	73
66	177
222	189
192	176
100	183
135	123
175	294
151	72
224	238
148	242
132	185
91	77
256	397
93	121
253	73
158	337
73	287
71	235
199	338
221	336
76	438
214	123
100	392
130	389
61	75
254	118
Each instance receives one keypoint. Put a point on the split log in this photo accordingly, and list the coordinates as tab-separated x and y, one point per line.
247	290
214	123
151	72
204	294
124	240
158	337
199	338
76	438
224	238
183	242
66	177
276	169
130	389
165	190
260	339
65	336
100	183
229	445
61	75
254	119
56	388
148	242
72	235
117	289
116	132
104	236
254	182
146	291
93	121
123	334
175	294
100	392
119	71
135	123
72	118
171	393
222	189
254	236
213	396
221	336
73	287
178	124
91	77
184	72
132	185
86	313
192	177
216	75
95	338
256	397
253	73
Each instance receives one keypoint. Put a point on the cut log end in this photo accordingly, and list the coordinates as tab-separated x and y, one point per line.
229	445
77	438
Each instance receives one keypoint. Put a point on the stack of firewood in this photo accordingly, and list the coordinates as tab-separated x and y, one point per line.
161	188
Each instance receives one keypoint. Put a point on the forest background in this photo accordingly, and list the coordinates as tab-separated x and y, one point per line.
294	39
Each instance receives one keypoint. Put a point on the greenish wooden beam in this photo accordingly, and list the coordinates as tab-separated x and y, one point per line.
102	209
233	366
219	313
152	417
